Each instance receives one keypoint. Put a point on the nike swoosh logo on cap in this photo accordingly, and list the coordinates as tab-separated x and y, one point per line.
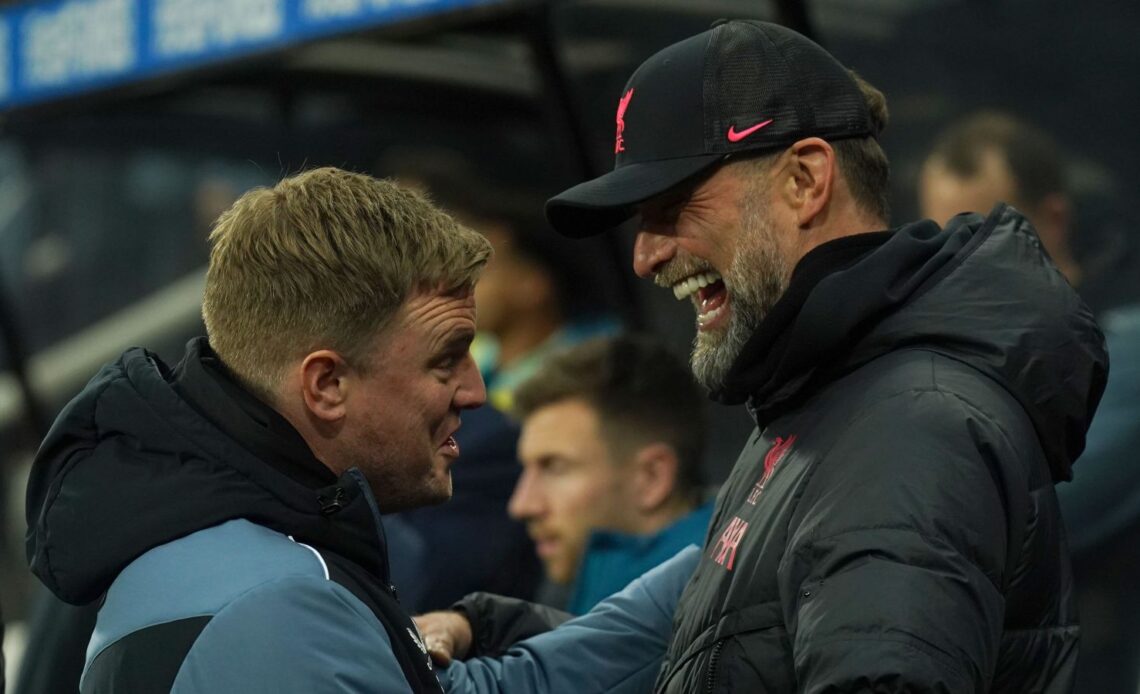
734	136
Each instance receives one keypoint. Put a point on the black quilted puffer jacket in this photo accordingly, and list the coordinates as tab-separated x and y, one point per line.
892	525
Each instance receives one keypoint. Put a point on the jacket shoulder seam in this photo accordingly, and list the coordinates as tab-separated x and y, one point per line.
968	402
336	590
306	581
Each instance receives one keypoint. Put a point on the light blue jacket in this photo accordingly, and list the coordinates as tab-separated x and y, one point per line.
261	615
616	648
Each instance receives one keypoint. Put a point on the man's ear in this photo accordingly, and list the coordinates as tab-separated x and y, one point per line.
810	179
654	476
324	386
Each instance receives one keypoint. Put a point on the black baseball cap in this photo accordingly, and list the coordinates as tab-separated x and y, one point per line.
741	86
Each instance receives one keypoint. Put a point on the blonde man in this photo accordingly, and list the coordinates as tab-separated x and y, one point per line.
227	510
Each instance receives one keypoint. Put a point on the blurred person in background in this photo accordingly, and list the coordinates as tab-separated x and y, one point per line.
226	511
991	157
528	290
537	294
612	434
891	524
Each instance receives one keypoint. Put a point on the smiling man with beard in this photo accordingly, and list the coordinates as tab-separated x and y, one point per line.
891	525
758	274
226	511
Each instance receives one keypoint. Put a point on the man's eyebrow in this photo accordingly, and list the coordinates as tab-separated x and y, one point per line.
459	338
663	202
555	457
673	196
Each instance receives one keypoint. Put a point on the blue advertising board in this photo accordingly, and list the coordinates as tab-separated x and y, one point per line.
58	48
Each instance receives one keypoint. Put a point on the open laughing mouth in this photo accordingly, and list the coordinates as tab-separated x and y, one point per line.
709	296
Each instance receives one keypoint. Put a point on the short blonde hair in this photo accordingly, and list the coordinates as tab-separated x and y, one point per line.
325	259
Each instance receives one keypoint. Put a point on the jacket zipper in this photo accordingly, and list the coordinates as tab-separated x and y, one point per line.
713	662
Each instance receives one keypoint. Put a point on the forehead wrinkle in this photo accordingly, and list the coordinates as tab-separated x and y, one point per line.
425	307
442	315
715	196
449	330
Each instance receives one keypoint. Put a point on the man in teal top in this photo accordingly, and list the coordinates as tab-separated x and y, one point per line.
614	559
612	434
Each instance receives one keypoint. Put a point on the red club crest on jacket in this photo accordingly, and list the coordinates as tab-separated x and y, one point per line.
775	454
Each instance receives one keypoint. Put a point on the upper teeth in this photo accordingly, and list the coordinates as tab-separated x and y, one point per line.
685	288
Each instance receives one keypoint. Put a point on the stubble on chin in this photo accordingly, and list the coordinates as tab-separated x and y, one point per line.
399	486
432	491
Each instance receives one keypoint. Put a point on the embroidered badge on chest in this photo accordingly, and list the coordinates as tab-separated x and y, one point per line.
724	551
776	453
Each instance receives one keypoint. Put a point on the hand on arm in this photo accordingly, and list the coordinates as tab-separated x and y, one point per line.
615	648
447	635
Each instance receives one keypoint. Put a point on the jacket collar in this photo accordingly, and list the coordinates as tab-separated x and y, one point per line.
776	359
208	385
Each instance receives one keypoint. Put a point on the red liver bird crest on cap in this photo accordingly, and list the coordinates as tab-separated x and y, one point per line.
623	104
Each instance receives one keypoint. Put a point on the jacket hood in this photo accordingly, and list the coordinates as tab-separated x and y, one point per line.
129	465
981	291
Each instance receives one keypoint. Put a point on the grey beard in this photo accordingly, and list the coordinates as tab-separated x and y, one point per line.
758	277
714	355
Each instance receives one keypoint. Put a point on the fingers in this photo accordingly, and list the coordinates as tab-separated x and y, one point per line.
439	636
439	650
447	635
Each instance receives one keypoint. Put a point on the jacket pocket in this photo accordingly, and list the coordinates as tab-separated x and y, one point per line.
751	661
745	651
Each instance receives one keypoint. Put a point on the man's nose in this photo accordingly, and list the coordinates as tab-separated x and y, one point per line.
527	500
650	251
471	392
